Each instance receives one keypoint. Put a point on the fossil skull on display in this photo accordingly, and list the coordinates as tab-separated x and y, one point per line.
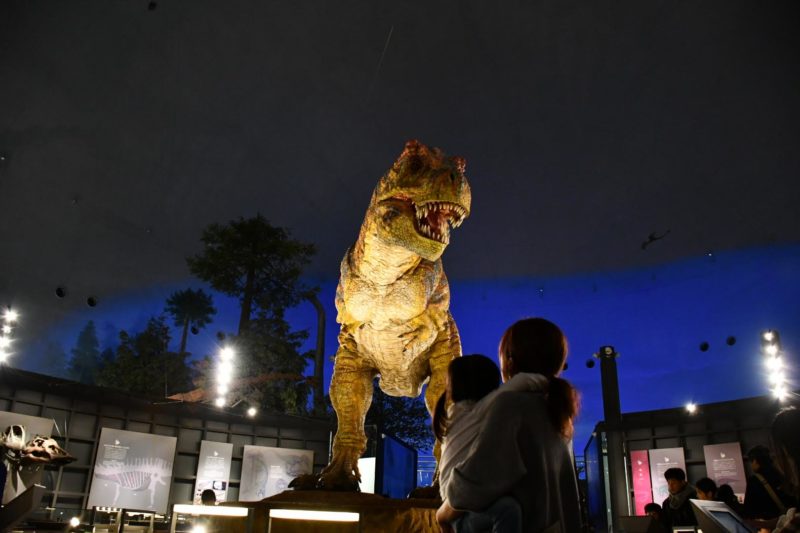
13	438
45	450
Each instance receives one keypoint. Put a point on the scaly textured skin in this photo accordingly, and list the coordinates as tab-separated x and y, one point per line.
393	299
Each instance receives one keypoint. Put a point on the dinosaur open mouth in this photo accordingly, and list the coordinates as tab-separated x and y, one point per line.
434	219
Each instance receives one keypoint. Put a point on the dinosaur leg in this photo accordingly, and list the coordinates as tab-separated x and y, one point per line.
351	395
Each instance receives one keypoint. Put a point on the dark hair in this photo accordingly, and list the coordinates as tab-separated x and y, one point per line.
675	473
471	378
652	507
706	484
761	454
536	345
208	496
726	495
786	442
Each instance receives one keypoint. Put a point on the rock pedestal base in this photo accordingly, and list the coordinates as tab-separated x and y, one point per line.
376	513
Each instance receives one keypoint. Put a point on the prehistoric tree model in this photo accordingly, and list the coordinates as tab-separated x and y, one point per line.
260	265
144	364
85	362
190	308
253	261
393	300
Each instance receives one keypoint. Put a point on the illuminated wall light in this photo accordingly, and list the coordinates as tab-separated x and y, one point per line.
319	516
771	349
74	521
208	510
220	402
780	392
691	408
252	412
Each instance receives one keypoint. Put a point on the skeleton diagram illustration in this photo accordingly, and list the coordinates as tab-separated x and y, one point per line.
135	474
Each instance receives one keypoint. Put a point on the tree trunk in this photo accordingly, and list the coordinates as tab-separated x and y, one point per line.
319	359
184	334
247	300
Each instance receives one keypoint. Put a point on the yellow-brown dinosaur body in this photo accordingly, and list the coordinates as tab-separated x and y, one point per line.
393	298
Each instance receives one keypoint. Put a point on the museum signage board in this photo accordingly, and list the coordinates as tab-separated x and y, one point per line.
213	470
661	460
725	466
132	471
642	489
267	471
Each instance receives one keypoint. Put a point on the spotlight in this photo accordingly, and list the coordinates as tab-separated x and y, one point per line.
771	349
769	335
74	521
6	329
779	392
199	529
11	316
777	377
252	412
3	356
226	353
774	363
222	389
220	402
691	407
5	342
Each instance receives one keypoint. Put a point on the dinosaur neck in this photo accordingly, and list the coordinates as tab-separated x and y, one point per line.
379	262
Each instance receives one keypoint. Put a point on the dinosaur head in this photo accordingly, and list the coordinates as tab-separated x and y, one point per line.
419	200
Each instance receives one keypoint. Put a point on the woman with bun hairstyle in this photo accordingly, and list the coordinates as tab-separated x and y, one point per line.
523	448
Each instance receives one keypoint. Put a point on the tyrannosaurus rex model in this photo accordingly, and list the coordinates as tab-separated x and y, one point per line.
393	300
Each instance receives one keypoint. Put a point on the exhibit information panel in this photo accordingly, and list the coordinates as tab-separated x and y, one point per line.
132	471
642	489
267	471
725	466
662	460
213	470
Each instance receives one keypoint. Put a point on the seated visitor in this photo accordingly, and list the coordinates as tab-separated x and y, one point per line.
654	510
523	446
677	509
706	489
469	379
208	497
765	497
726	495
786	439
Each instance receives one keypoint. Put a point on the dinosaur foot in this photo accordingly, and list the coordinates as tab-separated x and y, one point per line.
341	475
304	482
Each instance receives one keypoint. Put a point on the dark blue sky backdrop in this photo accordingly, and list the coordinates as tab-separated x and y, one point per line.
655	317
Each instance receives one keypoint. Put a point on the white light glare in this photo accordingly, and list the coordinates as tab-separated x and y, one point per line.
3	356
11	316
6	329
74	521
199	529
779	392
769	336
771	349
226	353
317	516
224	371
691	407
774	364
220	402
252	411
777	378
222	389
5	342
